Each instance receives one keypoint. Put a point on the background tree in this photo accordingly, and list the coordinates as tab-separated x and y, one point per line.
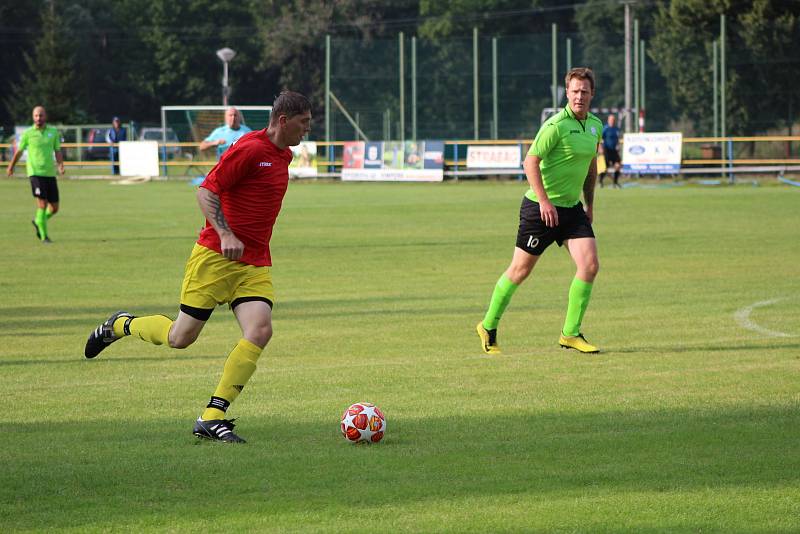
601	30
50	79
770	31
762	39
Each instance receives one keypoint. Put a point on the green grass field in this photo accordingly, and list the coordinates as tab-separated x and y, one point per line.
688	421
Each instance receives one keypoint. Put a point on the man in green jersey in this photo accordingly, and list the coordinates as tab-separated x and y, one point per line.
41	142
560	164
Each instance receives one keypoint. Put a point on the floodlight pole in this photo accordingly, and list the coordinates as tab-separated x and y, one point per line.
475	85
225	55
628	80
635	74
401	42
495	118
414	88
569	54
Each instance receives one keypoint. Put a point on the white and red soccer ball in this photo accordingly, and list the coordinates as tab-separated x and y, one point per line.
363	422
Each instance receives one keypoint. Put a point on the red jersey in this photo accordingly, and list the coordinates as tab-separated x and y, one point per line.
251	180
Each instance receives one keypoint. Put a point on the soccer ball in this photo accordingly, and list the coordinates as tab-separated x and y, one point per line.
363	422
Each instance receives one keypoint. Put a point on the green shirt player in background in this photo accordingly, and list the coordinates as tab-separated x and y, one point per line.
41	142
560	164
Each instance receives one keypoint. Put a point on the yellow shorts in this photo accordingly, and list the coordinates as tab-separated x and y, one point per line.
212	279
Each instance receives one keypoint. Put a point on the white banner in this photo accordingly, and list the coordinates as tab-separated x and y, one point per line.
493	157
652	153
138	158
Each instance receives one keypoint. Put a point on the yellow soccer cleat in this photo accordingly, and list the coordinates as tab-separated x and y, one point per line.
488	339
578	343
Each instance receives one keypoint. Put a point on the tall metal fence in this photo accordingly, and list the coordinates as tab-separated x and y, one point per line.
495	87
407	88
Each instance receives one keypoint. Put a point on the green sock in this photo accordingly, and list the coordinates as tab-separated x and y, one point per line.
579	294
41	222
48	214
503	291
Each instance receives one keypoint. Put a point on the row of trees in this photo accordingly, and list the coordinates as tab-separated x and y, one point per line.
87	60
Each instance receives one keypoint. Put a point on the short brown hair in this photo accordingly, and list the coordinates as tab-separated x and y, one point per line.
582	73
290	104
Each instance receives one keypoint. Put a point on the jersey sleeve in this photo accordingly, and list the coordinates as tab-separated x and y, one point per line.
57	141
227	172
545	140
23	141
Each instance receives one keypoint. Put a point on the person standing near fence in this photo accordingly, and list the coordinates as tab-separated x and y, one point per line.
115	134
611	149
227	134
42	142
230	263
560	164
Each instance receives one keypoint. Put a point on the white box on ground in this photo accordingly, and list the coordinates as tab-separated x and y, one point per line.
138	158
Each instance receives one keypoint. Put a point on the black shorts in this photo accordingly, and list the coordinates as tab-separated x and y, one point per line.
45	187
534	237
612	156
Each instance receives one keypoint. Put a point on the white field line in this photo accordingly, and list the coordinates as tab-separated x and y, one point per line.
743	318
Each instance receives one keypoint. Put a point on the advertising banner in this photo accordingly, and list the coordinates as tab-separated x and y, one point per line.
304	163
353	157
412	161
652	153
494	157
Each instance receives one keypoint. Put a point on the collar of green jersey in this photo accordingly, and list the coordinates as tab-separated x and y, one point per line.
571	115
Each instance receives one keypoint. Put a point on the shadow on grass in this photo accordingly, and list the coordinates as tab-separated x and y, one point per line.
115	473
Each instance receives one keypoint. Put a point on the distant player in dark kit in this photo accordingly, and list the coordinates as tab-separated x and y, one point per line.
230	263
560	164
610	150
42	143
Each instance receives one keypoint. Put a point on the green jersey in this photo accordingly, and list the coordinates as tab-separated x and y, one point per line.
566	147
41	145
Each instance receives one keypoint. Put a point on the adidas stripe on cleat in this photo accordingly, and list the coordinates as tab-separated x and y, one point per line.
103	336
217	430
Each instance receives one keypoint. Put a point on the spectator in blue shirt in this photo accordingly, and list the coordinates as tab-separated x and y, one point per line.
227	134
610	150
115	134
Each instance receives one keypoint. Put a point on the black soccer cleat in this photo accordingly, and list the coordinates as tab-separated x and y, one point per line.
217	430
103	336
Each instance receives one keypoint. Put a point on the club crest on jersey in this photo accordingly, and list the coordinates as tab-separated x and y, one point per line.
265	164
594	130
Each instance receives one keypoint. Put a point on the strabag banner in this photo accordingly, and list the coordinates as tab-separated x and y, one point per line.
304	163
494	157
411	161
652	153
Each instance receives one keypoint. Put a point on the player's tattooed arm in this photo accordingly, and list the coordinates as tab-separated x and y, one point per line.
211	206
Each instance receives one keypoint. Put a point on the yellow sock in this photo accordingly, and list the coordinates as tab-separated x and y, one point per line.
152	328
239	367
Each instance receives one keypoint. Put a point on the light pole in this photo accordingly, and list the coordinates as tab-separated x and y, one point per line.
226	55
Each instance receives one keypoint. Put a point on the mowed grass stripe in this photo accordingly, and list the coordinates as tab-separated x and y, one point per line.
686	422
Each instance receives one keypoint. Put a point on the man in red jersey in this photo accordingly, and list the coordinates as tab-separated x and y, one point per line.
230	263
